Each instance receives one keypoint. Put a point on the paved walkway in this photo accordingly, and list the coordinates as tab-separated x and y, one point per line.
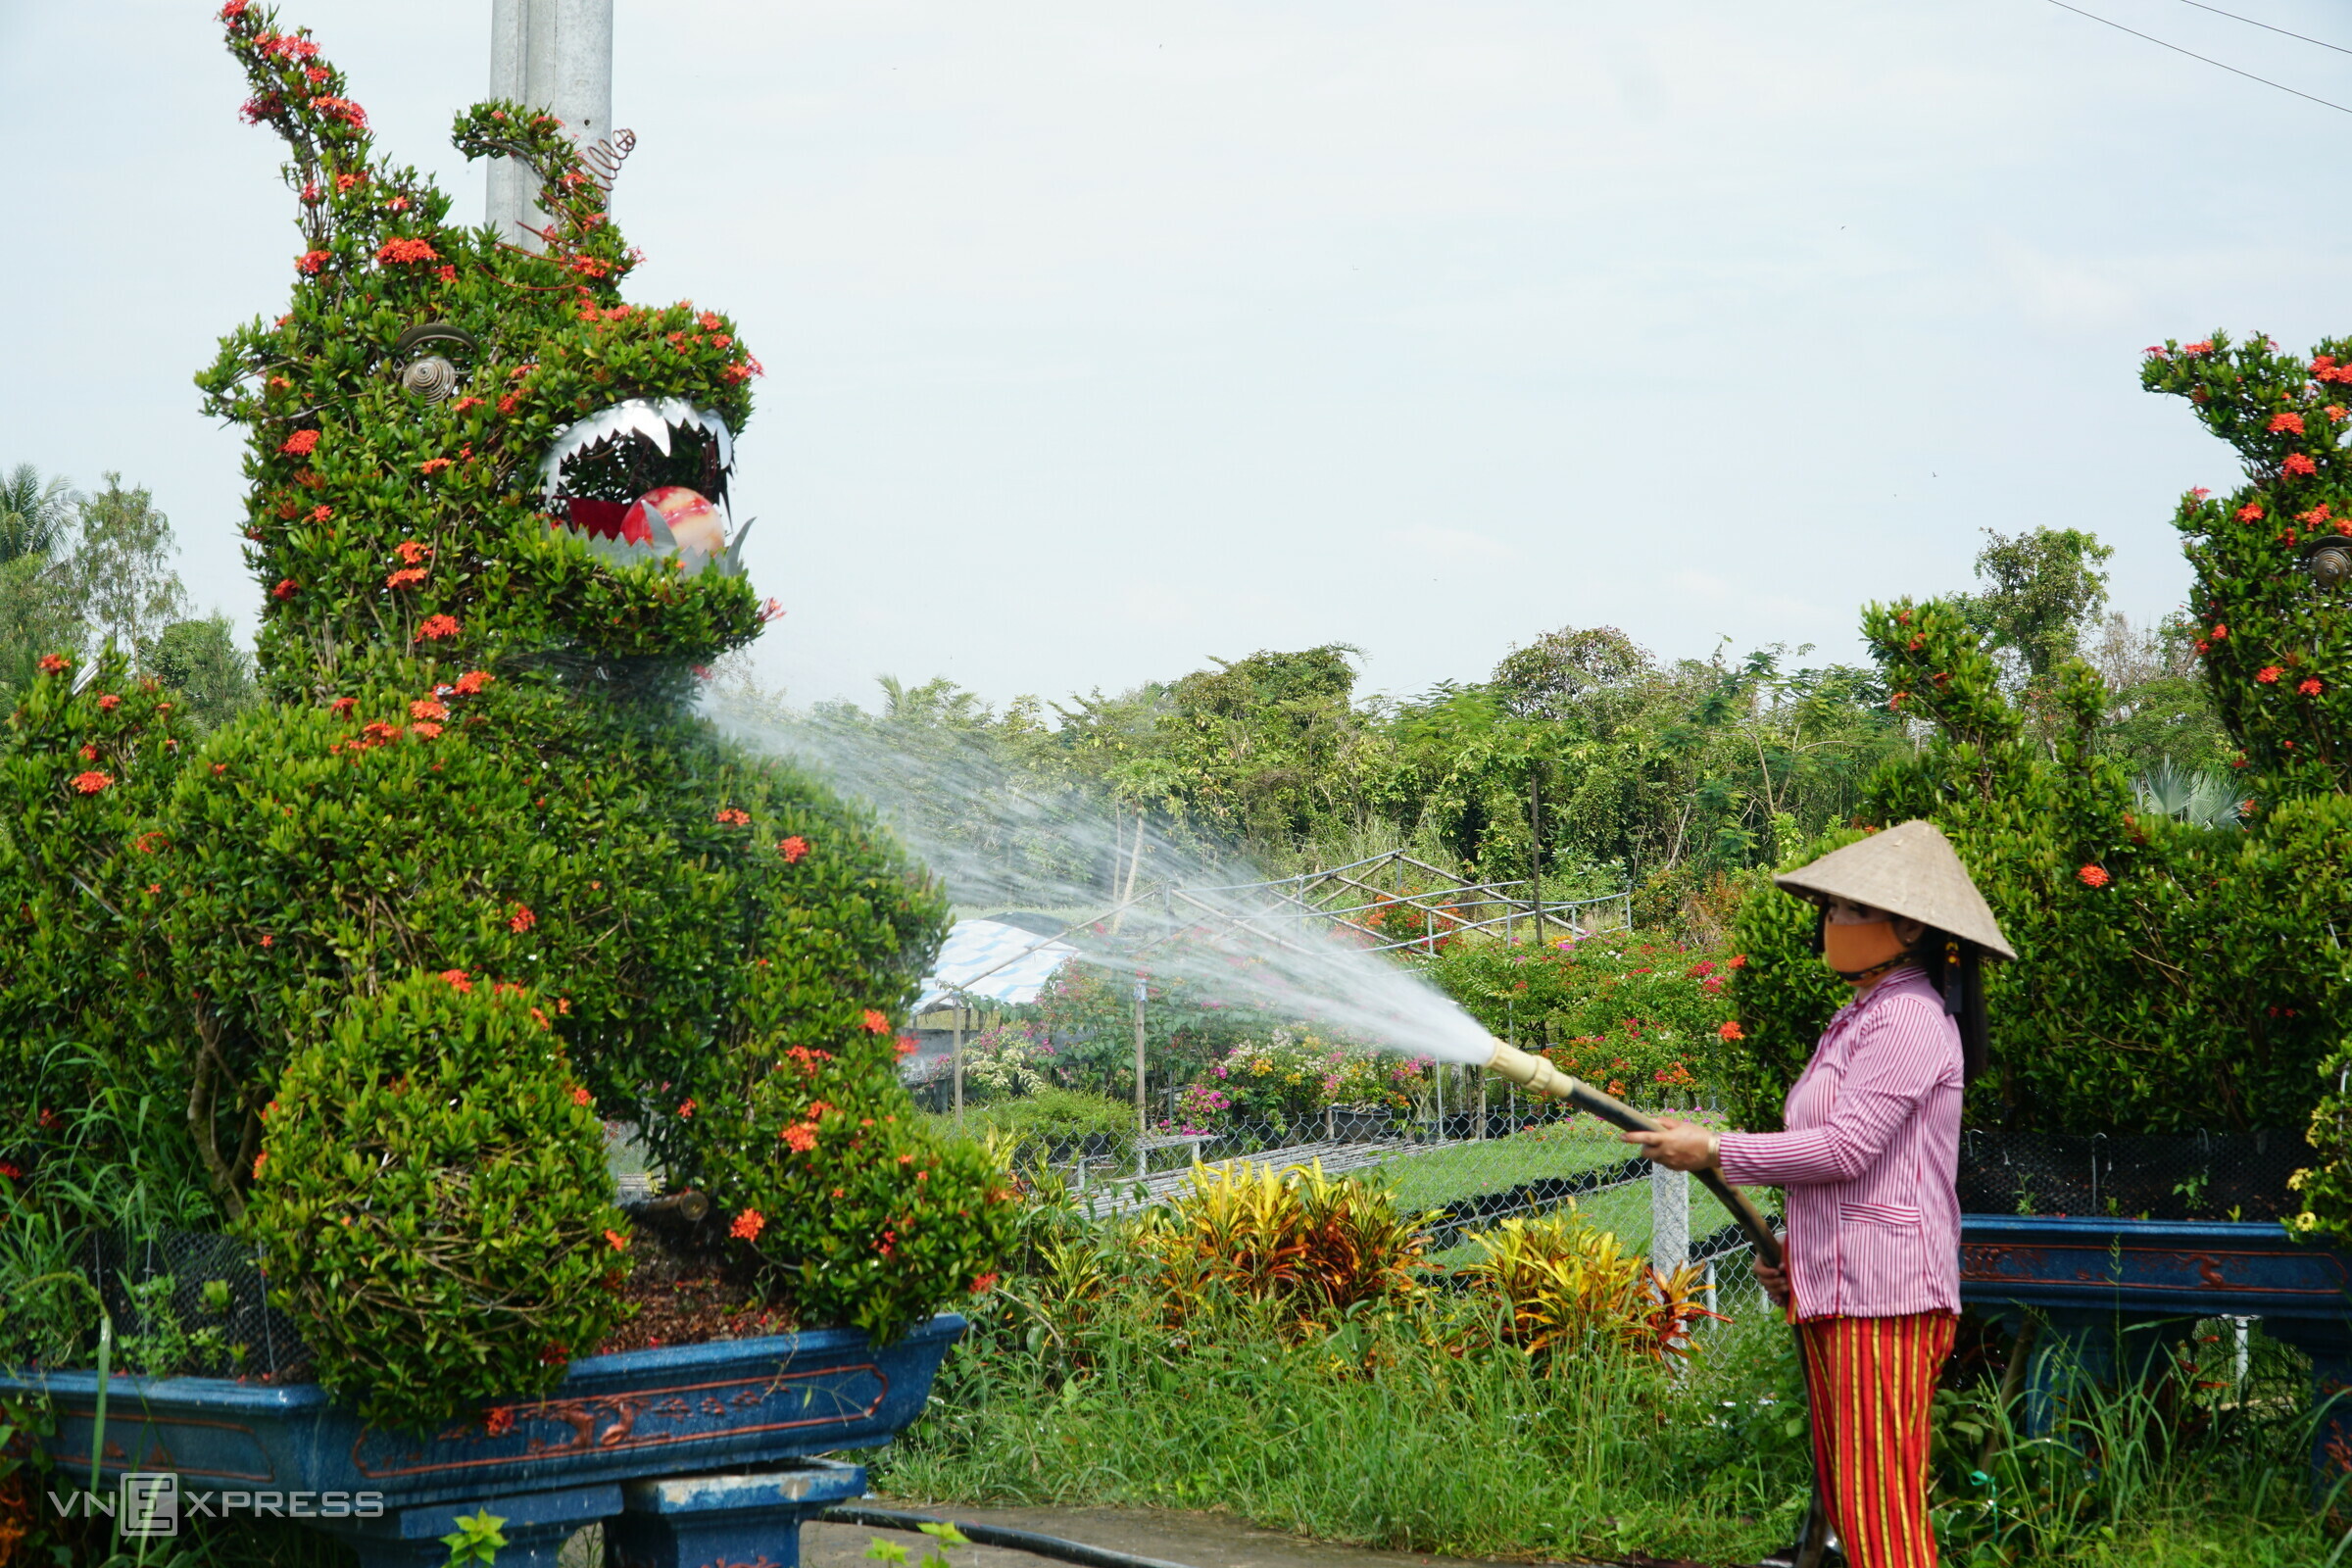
1198	1540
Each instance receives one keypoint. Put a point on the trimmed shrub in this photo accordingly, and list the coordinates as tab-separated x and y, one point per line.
1051	1124
429	1196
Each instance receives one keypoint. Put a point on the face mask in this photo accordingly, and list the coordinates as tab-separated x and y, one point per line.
1853	950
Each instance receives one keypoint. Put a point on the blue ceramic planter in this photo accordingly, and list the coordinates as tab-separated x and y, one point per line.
2101	1289
734	1407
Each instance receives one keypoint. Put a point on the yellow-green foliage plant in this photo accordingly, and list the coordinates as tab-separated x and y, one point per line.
1311	1242
1562	1287
485	510
2170	976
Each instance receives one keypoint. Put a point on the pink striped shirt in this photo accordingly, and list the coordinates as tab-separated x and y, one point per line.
1869	1157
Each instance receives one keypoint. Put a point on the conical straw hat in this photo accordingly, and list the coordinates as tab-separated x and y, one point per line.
1909	871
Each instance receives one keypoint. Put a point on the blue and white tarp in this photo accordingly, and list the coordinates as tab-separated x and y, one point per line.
974	960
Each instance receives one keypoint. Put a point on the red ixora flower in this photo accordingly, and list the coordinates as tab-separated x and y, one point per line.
801	1136
437	627
688	1106
876	1022
411	551
301	444
109	703
55	664
404	577
2311	687
342	108
286	588
428	731
418	250
581	1096
312	261
426	708
2287	422
2299	464
431	465
748	1225
91	782
472	681
341	706
793	849
456	981
729	816
2094	876
2221	632
522	920
984	1283
1731	1030
2251	512
615	1240
2269	675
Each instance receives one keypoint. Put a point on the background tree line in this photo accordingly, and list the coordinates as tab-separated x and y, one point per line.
1618	768
79	570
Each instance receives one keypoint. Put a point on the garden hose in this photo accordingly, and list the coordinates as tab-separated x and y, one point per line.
1028	1541
1538	1076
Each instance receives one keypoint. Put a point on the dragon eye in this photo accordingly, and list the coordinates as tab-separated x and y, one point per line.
431	378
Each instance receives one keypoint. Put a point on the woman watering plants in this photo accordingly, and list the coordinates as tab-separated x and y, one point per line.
1869	1158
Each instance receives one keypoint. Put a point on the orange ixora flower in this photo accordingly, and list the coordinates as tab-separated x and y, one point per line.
729	816
2286	421
581	1096
800	1136
341	706
428	731
2311	687
472	681
748	1225
687	1108
793	849
55	664
984	1283
615	1240
2094	876
411	551
437	627
876	1022
406	577
2269	675
522	920
301	444
2299	464
1731	1030
456	981
90	783
426	708
286	588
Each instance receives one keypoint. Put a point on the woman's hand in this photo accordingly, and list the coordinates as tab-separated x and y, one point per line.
1679	1145
1775	1282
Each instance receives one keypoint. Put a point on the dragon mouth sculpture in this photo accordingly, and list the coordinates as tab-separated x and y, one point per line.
645	481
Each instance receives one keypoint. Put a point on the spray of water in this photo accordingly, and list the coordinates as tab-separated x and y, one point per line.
1005	839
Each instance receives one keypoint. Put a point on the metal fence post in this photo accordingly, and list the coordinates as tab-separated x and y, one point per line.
1669	1218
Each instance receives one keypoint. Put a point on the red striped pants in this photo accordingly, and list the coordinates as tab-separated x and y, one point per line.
1870	1382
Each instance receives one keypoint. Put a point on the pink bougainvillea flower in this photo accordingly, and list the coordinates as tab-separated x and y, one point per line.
522	920
437	627
748	1225
793	849
90	783
2311	687
458	981
2094	876
2290	423
301	444
876	1022
2299	464
1731	1030
2269	675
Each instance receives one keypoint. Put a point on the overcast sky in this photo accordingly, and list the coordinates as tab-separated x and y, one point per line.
1104	337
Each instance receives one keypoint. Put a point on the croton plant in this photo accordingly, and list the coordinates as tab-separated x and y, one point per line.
395	946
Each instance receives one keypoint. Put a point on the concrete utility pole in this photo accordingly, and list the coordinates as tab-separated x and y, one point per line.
554	55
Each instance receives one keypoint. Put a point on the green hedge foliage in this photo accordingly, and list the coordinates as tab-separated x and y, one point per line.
478	762
431	1188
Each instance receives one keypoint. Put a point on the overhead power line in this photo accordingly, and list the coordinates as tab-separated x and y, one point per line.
2207	59
2266	26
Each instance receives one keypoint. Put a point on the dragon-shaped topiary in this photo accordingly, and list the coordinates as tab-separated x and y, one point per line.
387	947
